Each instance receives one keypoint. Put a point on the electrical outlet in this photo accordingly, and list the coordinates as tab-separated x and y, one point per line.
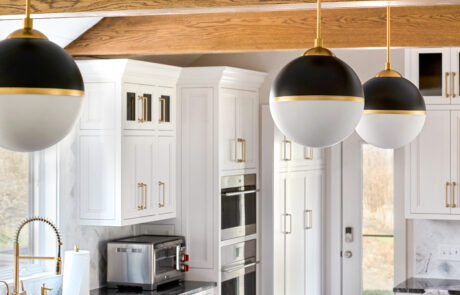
449	252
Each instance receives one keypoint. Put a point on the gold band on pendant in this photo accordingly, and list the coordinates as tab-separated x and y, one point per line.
395	112
319	97
43	91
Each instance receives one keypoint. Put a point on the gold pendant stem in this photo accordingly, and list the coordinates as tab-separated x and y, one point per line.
28	22
318	40
388	64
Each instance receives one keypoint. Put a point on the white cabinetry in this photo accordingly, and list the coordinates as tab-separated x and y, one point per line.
293	189
218	126
432	172
126	151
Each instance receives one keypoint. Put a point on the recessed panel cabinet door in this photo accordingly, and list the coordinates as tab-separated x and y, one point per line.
247	105
165	200
229	155
295	234
431	73
455	165
137	176
430	163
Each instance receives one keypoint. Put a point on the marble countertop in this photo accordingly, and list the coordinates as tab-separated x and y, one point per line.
182	288
422	285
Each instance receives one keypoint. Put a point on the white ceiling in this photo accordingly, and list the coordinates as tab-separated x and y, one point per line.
61	31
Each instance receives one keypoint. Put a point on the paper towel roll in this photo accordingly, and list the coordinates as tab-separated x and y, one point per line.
76	273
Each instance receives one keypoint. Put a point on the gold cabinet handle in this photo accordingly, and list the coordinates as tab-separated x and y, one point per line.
452	85
143	99
143	188
286	143
447	194
290	224
310	219
447	83
160	183
163	109
243	150
309	155
454	184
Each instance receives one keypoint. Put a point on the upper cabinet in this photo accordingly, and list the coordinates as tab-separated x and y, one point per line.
126	143
435	71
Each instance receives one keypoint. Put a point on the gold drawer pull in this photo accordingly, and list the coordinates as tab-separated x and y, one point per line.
309	154
144	109
454	184
163	110
447	83
447	194
452	85
287	142
243	150
143	186
160	183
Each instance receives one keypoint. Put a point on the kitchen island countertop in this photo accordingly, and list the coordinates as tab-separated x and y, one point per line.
183	288
422	285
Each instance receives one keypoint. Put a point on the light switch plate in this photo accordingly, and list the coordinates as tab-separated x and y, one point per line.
449	252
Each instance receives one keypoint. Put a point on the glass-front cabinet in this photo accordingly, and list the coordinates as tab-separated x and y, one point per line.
148	107
435	72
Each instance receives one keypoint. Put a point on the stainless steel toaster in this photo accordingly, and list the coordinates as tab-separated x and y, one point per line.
146	261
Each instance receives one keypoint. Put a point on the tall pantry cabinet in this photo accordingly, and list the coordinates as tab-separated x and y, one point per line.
293	185
218	135
126	143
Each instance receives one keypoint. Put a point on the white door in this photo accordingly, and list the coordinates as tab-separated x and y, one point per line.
431	73
368	219
229	156
454	163
165	163
137	176
247	105
430	166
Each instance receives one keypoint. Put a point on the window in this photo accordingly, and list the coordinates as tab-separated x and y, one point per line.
27	187
378	221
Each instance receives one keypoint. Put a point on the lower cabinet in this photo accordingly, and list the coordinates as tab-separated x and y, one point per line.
299	241
125	182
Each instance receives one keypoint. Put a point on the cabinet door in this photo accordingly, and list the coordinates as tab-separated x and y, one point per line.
166	106
138	106
295	234
454	75
315	193
165	185
296	155
229	156
430	72
247	116
137	174
430	166
455	165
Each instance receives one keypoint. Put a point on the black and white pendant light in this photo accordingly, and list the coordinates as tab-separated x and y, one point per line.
41	90
317	100
394	110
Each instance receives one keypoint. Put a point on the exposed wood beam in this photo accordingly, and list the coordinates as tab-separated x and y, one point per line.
12	9
237	32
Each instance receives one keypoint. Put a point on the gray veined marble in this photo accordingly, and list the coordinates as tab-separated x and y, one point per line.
429	235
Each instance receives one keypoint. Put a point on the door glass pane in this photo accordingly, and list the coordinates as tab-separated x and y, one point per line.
430	74
14	205
148	106
378	221
165	103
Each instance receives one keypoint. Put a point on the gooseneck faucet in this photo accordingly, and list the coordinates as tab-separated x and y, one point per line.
17	257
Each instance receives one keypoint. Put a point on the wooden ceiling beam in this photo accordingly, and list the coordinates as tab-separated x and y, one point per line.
263	31
11	9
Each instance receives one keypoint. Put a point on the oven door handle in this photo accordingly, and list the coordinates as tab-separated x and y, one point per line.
232	269
178	257
240	193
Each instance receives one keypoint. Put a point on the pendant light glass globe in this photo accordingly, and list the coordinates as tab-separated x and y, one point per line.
41	90
317	100
394	110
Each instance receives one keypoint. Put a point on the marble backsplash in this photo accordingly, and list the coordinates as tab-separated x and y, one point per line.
429	235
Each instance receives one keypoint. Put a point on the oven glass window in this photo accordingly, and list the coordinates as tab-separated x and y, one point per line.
238	210
165	260
243	285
